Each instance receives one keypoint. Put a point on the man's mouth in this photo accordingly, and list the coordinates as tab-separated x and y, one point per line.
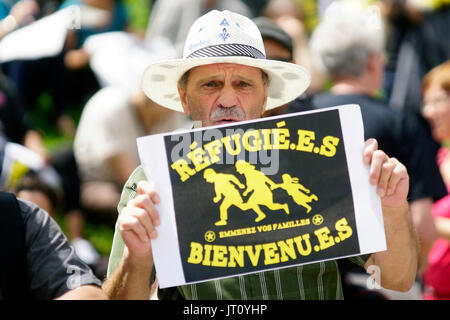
225	120
222	115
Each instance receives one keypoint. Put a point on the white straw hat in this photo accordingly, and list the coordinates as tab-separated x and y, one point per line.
224	37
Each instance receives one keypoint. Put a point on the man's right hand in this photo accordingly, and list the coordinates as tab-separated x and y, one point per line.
138	220
136	224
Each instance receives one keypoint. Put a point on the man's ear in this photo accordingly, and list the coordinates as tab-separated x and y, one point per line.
183	99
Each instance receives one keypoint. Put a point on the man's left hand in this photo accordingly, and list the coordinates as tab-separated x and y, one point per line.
388	174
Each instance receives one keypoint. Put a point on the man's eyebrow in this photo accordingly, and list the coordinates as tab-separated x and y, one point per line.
246	79
219	77
209	78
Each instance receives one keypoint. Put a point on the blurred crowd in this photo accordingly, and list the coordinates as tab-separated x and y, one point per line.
71	107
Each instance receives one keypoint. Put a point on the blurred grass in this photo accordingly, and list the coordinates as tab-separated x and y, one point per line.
100	236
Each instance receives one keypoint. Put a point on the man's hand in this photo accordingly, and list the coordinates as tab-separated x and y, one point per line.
388	174
398	264
136	224
138	220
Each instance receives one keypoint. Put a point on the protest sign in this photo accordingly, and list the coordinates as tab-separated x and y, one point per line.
261	194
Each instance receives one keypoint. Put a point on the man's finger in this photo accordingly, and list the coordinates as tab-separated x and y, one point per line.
370	146
146	221
385	176
144	187
128	222
144	201
399	172
378	159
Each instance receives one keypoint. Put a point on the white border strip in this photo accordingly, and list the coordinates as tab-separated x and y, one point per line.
165	246
367	204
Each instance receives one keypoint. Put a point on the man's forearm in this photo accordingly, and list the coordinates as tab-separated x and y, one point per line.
398	264
131	280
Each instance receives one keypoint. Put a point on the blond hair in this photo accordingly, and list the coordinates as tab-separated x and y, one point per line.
439	75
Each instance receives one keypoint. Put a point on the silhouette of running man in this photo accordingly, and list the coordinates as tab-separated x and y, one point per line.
224	186
294	189
259	183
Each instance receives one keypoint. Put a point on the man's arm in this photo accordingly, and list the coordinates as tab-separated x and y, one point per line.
131	280
398	264
136	223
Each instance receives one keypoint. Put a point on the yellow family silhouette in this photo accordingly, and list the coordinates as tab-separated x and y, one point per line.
225	188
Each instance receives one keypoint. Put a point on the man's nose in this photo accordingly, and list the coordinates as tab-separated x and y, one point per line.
228	97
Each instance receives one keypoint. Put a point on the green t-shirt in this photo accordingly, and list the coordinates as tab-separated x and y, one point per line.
318	281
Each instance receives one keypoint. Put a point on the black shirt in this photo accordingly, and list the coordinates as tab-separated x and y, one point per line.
51	266
399	134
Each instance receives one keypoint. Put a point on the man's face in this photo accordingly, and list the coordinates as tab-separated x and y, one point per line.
223	93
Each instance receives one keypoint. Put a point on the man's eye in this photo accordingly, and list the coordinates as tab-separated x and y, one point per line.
243	84
210	84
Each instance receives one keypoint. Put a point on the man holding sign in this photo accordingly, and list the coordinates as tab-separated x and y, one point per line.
225	78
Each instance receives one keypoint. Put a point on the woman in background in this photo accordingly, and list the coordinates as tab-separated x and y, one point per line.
436	110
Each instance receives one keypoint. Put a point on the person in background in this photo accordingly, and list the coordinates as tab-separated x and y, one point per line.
171	19
14	14
417	41
98	16
105	144
15	123
348	45
288	15
66	75
36	259
33	189
279	46
436	110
